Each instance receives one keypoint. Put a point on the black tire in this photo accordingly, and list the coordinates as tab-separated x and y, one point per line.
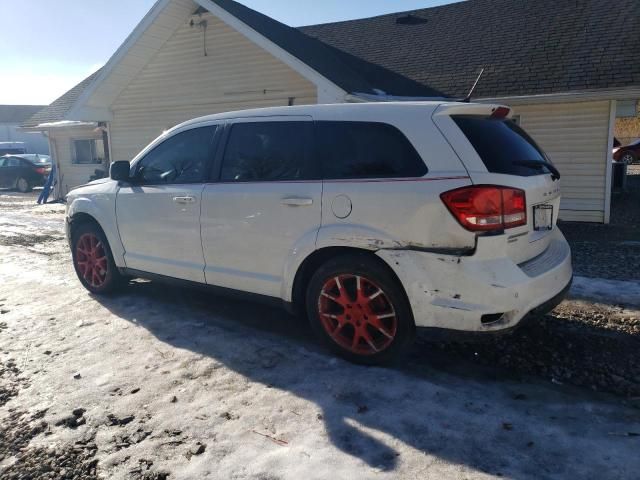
395	334
23	185
628	158
108	282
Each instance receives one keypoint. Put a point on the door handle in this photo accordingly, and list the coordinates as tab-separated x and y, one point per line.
297	201
184	200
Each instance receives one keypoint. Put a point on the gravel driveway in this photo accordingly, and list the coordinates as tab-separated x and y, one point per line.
165	383
610	251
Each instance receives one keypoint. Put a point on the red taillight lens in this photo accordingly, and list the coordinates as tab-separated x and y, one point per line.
41	171
486	208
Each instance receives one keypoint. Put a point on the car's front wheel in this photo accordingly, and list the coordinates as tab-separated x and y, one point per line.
628	158
22	185
357	307
93	261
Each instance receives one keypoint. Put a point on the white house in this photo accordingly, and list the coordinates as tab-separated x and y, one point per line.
561	66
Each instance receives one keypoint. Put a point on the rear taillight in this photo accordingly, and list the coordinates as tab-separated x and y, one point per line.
41	171
485	208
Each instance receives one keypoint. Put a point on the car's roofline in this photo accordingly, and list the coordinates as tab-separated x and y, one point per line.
310	110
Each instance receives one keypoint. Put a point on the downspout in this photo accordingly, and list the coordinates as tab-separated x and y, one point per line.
613	107
106	144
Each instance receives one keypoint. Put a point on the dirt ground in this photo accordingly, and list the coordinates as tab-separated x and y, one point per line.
166	383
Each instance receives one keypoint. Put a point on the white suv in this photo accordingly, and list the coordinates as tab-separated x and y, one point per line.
374	218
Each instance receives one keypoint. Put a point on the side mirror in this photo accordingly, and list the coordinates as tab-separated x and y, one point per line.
120	171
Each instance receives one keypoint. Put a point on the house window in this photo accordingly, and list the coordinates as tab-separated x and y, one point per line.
87	152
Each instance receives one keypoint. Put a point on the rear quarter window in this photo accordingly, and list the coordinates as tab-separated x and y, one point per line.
501	144
354	150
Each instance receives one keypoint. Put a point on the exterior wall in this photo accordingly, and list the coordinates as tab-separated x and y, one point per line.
71	175
36	142
181	83
576	137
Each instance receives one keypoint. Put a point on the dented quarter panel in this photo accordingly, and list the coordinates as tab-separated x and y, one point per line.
454	292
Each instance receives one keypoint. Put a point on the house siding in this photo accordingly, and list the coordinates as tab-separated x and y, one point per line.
575	136
72	175
180	83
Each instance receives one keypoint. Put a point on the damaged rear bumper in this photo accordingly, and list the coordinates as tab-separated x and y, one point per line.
485	292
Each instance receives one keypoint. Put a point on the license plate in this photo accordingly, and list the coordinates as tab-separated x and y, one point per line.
543	218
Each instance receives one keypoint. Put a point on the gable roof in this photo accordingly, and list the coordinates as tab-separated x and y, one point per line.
60	107
17	113
350	73
526	47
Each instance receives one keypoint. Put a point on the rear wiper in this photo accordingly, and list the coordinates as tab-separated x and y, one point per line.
555	174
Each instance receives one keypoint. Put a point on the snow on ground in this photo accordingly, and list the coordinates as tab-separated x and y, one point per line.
249	383
607	291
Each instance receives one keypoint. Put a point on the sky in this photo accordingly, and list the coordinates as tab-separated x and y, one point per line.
47	47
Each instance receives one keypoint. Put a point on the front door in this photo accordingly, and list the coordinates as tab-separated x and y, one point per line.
159	213
265	206
9	171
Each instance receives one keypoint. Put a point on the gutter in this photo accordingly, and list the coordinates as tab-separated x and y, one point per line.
624	93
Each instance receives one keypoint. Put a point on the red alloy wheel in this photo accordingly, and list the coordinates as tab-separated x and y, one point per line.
91	260
357	314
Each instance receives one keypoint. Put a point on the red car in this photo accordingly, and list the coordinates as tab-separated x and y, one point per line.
628	154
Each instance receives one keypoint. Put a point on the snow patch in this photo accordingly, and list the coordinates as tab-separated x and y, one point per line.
606	291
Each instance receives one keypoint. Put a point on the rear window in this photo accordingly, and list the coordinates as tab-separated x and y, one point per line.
501	144
352	150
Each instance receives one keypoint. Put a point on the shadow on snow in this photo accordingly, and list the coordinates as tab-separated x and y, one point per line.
432	402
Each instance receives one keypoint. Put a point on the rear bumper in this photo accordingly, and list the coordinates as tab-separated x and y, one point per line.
485	292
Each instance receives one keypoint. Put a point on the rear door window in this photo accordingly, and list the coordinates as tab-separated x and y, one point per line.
501	144
353	150
268	152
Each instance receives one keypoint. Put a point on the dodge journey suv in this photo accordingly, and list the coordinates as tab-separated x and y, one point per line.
374	219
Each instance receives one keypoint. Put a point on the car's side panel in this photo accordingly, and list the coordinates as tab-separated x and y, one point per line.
98	201
160	229
248	233
392	214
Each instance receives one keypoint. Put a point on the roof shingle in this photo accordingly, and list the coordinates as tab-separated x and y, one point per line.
526	47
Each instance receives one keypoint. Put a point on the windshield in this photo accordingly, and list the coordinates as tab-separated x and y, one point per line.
502	145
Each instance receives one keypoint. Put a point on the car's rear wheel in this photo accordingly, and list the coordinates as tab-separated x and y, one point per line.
357	307
628	158
93	261
23	186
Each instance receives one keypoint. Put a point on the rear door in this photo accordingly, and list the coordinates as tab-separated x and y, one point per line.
263	205
496	151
